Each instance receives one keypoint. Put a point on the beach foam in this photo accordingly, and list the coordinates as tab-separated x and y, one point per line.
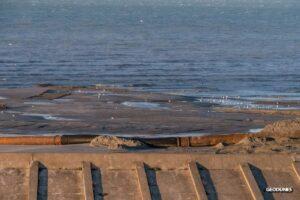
144	105
47	117
244	103
42	103
255	130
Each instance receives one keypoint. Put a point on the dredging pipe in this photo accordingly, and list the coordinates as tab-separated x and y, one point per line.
47	140
195	141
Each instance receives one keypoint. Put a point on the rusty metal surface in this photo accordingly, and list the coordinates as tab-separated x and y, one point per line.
196	141
31	140
211	140
135	175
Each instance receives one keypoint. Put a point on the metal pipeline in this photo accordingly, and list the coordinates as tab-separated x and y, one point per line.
47	140
196	141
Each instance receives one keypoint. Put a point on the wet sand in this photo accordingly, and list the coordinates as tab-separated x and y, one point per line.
47	109
108	110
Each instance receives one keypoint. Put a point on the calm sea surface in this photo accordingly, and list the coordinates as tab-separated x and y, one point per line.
200	48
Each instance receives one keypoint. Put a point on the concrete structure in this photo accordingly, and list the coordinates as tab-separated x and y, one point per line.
147	175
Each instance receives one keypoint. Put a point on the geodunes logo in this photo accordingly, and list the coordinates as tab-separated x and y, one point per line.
279	189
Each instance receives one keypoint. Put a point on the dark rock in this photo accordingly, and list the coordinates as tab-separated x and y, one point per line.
3	106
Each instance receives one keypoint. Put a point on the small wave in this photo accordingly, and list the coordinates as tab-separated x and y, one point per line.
255	130
42	103
88	92
244	103
47	117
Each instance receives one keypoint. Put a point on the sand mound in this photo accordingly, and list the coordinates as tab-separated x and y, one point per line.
113	142
219	145
281	136
285	128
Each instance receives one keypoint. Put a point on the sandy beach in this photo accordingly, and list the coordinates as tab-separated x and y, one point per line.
149	100
107	110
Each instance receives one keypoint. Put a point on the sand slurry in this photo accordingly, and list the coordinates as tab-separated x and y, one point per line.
113	142
284	128
281	136
278	137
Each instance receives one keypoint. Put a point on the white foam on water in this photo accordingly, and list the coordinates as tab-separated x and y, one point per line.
274	98
89	92
42	103
255	130
243	103
144	105
47	117
13	112
2	98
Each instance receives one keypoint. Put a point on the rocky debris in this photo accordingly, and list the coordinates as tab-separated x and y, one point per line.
113	142
284	128
2	106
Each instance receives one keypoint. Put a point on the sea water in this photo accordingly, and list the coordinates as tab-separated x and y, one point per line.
203	48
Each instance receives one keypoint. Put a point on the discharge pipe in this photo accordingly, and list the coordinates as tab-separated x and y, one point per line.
47	140
195	141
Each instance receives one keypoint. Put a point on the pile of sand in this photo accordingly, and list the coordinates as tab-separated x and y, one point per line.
263	145
285	128
113	142
282	136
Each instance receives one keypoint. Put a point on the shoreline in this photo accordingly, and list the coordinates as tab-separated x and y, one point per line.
95	170
123	111
106	110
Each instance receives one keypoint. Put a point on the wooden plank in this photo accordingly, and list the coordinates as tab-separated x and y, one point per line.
33	180
250	181
143	181
87	181
197	182
296	167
